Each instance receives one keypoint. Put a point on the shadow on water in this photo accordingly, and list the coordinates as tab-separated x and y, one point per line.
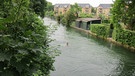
126	66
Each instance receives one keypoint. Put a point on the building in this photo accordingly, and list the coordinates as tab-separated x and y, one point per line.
61	9
85	23
86	8
104	9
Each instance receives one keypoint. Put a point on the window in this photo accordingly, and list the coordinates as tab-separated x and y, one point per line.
87	11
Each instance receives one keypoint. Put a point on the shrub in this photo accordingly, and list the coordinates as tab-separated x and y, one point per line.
124	36
100	30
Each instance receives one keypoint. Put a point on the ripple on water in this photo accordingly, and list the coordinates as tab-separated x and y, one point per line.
88	56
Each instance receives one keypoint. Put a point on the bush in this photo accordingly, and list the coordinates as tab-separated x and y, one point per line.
100	30
124	36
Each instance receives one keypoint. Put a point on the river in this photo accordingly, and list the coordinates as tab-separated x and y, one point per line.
84	55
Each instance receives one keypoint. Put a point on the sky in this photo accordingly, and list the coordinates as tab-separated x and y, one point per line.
94	3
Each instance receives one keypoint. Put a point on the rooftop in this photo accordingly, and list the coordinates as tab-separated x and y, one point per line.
105	5
61	5
83	5
87	19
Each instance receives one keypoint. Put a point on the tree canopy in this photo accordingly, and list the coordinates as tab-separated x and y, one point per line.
38	6
24	42
76	9
71	14
49	6
124	11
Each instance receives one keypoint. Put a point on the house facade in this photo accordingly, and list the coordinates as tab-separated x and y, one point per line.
86	8
60	9
104	9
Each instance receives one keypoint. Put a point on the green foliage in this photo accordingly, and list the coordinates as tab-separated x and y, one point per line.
38	6
24	42
116	31
63	21
49	6
73	23
103	18
76	9
49	13
85	15
59	18
100	30
49	10
70	15
124	36
124	11
93	10
69	18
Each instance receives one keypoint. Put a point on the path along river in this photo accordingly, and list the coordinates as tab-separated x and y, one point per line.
85	55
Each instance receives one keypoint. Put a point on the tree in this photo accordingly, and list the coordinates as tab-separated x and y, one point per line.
38	6
24	42
93	10
49	10
49	6
124	11
72	14
76	9
69	17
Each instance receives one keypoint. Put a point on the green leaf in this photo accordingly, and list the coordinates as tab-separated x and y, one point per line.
4	56
2	27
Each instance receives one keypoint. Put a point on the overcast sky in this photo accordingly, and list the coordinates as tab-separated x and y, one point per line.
94	3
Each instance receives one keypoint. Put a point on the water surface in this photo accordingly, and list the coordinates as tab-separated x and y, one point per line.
89	56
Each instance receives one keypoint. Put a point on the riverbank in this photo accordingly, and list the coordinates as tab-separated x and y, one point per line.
132	49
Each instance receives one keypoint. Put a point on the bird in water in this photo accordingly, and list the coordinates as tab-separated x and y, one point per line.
67	43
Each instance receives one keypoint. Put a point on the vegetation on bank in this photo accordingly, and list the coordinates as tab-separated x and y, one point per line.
70	16
24	40
124	23
100	30
49	14
124	36
49	10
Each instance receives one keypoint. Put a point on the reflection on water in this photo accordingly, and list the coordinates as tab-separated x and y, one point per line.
88	56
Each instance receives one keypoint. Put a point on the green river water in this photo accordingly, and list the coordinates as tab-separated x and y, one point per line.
85	55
